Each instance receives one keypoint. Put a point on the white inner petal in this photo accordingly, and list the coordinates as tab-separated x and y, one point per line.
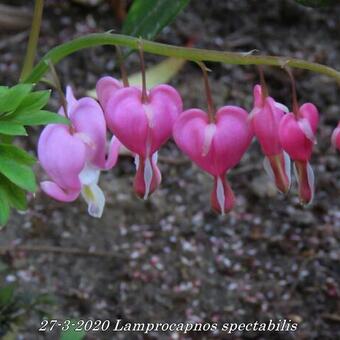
86	139
220	194
209	133
282	107
95	199
149	114
253	112
147	177
306	129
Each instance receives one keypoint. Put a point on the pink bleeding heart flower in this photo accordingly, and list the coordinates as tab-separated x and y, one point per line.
297	136
265	118
336	137
105	89
73	156
215	146
142	126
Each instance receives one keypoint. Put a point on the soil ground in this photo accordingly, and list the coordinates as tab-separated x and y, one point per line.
174	259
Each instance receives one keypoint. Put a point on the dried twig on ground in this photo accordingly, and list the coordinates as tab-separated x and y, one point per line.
56	250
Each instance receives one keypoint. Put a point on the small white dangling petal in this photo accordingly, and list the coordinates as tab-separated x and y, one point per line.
288	167
268	168
220	195
136	161
89	175
148	173
155	157
311	180
95	199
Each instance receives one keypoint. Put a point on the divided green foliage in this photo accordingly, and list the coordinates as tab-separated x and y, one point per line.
72	334
16	304
146	19
19	107
11	98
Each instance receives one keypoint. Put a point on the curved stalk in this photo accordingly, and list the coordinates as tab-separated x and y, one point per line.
194	54
210	102
33	39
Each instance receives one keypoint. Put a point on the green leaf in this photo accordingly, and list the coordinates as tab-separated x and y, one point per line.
11	98
3	89
6	294
16	196
21	175
40	117
18	155
72	334
12	129
15	165
146	18
316	3
33	102
4	209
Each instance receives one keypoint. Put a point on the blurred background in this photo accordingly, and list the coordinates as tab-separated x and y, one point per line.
171	258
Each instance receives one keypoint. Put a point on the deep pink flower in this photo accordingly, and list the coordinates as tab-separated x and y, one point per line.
265	119
336	137
73	155
215	147
105	88
297	136
142	127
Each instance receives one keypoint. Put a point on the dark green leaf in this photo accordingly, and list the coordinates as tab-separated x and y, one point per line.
72	334
316	3
6	139
41	117
16	154
19	174
15	195
146	18
3	89
6	294
11	98
14	164
4	208
13	129
33	102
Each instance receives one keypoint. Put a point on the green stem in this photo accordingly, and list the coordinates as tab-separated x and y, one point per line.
33	39
193	54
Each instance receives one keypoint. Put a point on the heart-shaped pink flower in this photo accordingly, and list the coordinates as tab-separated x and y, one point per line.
215	147
143	127
265	119
73	156
297	132
297	136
